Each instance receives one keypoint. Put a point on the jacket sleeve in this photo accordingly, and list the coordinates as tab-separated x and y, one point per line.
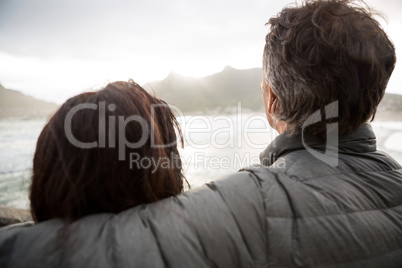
221	224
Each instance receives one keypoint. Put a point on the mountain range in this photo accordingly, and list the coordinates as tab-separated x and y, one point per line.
225	89
215	93
16	104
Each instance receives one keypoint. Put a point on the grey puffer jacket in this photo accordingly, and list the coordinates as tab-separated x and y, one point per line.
299	212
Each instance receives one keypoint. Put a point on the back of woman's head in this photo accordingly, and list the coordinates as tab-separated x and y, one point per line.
105	151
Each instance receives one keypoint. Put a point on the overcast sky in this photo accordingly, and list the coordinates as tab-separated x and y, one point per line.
53	49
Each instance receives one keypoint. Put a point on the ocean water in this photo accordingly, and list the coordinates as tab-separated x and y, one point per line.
215	146
17	145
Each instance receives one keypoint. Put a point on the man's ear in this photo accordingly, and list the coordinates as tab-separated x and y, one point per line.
272	101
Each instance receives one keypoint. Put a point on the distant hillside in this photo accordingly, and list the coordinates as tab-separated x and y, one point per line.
391	102
15	104
390	108
221	90
215	93
225	89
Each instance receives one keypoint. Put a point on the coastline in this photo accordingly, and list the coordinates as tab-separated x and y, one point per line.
388	115
11	215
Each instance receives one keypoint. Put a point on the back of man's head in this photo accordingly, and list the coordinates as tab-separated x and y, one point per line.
326	51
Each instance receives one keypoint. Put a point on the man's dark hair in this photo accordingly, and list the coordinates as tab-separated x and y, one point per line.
326	51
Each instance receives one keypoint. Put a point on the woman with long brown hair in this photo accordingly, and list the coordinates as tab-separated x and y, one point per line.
105	151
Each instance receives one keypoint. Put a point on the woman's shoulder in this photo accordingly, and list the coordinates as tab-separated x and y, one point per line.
207	223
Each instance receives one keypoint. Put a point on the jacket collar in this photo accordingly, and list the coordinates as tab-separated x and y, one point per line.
361	140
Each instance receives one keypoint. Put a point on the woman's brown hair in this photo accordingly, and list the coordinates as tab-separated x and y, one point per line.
111	173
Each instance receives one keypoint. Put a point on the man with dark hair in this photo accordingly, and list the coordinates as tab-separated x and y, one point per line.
333	201
322	52
325	69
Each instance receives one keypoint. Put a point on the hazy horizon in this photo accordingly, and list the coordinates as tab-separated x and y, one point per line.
52	50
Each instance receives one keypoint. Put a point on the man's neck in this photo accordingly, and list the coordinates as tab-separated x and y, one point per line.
281	127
